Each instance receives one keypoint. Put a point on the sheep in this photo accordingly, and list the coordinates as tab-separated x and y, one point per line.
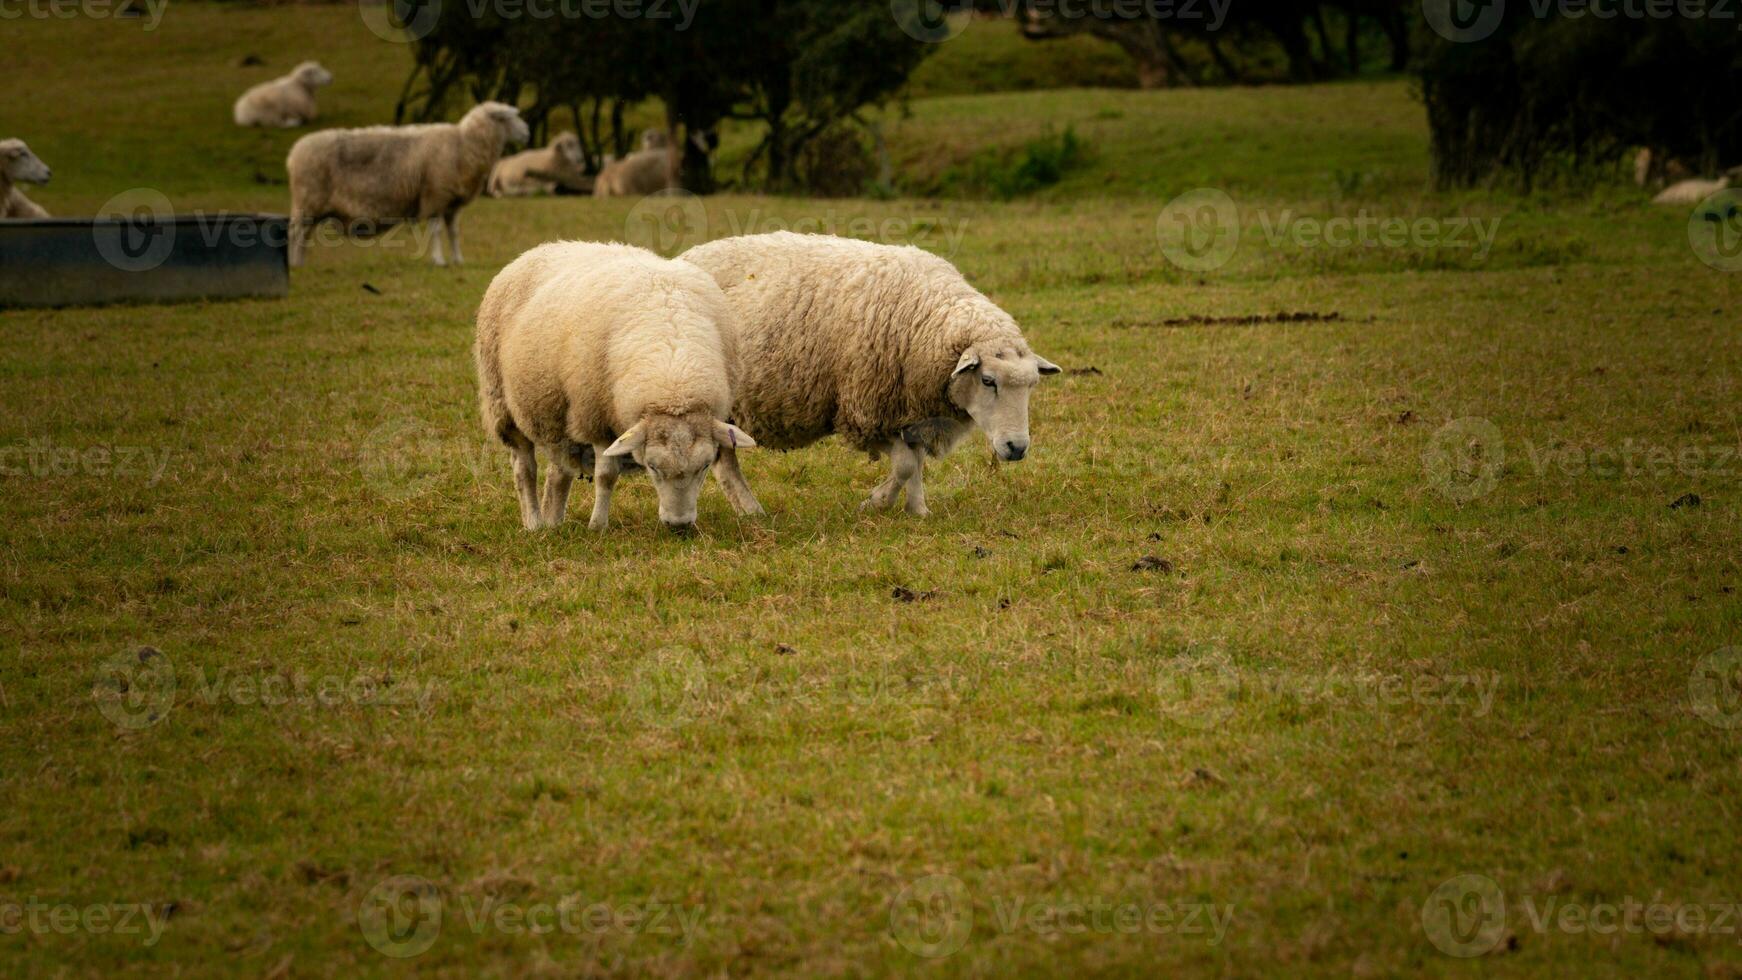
20	166
638	174
540	171
888	346
1691	191
285	102
608	357
382	175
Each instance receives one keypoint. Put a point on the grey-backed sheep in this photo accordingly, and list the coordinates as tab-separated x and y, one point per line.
373	178
888	346
610	354
284	102
20	166
541	171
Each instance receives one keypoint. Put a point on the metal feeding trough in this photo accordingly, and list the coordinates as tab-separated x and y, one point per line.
142	258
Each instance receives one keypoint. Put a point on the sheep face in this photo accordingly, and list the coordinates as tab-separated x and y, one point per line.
311	75
507	120
21	165
655	139
676	451
568	147
993	388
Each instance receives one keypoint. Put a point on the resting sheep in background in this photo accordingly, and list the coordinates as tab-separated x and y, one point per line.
373	178
20	166
541	171
649	170
612	353
1693	191
888	346
284	102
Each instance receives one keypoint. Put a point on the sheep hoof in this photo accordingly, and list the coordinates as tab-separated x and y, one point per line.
920	511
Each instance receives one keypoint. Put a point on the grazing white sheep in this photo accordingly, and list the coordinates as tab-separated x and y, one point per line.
373	178
888	346
609	352
20	166
285	102
541	171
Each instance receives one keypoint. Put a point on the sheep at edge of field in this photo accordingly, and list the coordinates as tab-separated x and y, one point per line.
20	166
888	346
608	356
371	179
1692	191
284	102
541	171
638	174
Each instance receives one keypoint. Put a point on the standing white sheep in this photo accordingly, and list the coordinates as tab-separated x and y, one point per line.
541	171
610	353
888	346
285	102
20	166
377	177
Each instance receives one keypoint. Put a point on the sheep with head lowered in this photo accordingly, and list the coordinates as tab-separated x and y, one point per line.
20	166
373	178
1695	189
608	357
541	171
888	346
285	102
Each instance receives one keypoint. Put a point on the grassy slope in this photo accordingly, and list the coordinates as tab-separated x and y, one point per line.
613	716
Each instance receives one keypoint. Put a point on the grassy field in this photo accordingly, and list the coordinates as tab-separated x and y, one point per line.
1289	626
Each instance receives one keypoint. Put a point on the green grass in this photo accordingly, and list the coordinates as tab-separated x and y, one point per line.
753	726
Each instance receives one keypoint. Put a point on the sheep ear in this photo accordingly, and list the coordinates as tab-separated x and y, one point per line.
1046	366
970	360
732	437
629	441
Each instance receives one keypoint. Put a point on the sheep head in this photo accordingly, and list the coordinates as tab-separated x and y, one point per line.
310	74
568	147
676	451
992	384
21	165
505	118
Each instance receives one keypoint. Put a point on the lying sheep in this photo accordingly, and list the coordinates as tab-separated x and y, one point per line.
285	102
1691	191
20	166
373	178
888	346
541	171
638	174
612	353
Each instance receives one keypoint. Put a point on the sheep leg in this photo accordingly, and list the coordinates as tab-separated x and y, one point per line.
557	482
732	482
435	242
904	466
605	470
452	223
526	482
298	233
916	484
